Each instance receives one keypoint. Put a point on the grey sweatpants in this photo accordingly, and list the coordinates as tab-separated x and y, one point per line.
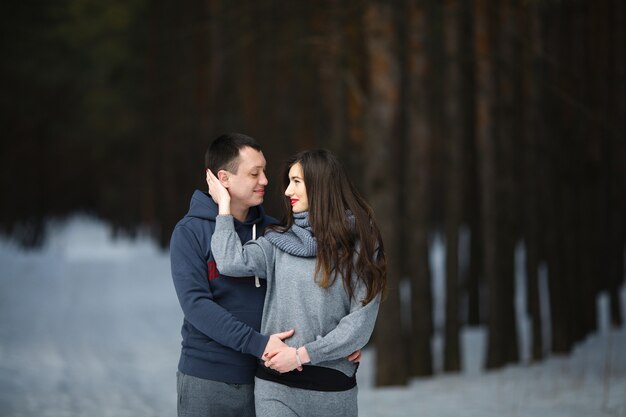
276	400
199	397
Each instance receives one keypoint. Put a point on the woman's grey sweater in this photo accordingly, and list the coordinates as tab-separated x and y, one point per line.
327	321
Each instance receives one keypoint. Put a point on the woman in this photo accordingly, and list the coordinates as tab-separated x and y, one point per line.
326	272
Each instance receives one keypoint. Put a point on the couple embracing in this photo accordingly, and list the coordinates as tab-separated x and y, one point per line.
275	313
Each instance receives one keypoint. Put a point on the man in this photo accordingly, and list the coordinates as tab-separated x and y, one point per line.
221	339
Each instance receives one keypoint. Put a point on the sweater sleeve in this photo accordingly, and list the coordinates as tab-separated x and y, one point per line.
235	259
189	272
352	332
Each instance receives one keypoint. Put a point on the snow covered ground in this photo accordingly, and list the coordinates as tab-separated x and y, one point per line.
89	326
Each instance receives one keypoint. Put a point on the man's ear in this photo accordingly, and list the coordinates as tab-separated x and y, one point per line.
223	176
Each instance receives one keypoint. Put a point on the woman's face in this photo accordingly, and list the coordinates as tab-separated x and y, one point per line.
296	191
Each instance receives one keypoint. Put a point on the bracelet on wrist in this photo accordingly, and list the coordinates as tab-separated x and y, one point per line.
298	358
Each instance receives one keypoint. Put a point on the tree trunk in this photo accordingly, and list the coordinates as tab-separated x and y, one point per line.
533	136
508	140
455	172
417	191
485	98
497	251
616	155
381	149
471	204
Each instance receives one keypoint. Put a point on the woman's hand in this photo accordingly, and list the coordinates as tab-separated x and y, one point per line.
218	192
283	360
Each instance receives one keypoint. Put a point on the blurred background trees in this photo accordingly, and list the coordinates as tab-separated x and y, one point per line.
496	125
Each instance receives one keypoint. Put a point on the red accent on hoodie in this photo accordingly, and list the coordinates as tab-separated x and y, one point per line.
213	272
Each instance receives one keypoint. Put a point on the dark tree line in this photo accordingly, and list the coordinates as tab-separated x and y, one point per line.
502	118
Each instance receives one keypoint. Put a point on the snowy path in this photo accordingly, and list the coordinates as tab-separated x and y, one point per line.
589	383
90	327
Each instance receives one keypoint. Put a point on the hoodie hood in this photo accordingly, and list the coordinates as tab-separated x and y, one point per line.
203	207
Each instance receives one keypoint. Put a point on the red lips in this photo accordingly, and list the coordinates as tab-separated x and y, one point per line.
293	201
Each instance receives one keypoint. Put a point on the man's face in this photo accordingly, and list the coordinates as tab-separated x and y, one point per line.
247	185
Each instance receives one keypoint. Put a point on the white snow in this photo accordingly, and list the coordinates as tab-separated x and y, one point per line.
89	326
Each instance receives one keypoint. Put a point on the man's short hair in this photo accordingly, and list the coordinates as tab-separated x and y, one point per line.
223	152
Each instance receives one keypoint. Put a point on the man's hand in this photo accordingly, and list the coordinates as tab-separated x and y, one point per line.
276	342
355	356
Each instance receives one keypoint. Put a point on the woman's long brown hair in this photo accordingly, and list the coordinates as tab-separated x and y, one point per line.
346	245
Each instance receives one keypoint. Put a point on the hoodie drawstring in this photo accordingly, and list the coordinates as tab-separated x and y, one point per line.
257	283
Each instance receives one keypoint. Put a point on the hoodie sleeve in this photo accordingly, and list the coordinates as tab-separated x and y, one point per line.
189	272
235	259
352	332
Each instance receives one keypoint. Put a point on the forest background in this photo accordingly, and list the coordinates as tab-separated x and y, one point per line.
494	125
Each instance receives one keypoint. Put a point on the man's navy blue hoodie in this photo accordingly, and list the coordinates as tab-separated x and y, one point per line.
221	339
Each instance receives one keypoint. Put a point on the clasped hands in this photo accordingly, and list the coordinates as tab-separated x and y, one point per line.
283	358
